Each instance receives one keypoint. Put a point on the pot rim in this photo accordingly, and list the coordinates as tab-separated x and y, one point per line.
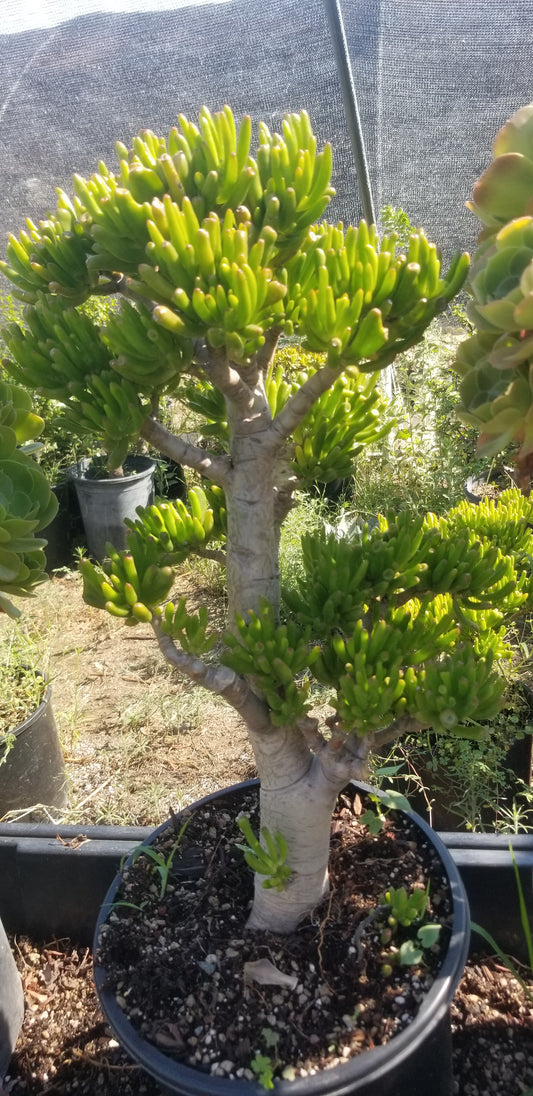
337	1079
79	471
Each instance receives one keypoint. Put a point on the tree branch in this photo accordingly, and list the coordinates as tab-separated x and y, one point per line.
297	406
215	468
263	357
211	553
217	679
345	757
226	377
406	724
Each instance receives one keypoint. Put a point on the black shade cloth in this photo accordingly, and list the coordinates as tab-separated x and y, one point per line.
435	79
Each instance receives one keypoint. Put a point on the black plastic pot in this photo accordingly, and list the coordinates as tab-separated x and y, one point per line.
106	502
33	772
501	478
39	861
64	529
416	1061
11	1002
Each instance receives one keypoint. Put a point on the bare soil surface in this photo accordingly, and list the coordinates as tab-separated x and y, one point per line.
137	739
194	982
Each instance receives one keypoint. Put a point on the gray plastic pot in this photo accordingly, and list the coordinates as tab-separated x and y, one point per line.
11	1002
105	503
417	1061
34	769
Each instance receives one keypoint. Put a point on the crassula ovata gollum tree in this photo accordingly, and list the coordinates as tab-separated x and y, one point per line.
214	255
27	504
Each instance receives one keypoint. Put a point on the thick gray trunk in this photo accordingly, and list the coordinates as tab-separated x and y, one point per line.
298	793
298	787
252	565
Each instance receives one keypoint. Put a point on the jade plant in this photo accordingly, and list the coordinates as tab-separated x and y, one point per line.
216	255
495	363
27	505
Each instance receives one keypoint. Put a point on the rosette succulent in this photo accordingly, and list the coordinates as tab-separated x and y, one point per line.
495	363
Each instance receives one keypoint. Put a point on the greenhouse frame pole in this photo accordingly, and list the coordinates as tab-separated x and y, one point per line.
344	69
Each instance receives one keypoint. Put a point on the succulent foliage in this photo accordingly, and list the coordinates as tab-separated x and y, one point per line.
215	253
496	362
27	505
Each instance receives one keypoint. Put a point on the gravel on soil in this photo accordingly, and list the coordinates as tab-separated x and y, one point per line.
66	1047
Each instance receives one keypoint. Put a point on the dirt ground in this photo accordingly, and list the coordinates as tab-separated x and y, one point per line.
136	738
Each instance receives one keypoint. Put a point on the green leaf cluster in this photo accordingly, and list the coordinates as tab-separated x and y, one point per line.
60	352
411	615
27	505
268	859
133	584
189	629
225	246
276	656
403	909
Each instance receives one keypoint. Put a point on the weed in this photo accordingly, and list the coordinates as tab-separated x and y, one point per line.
22	685
403	910
398	221
161	865
472	779
424	462
263	1068
387	801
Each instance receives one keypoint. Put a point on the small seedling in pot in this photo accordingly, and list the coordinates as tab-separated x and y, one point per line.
269	861
374	820
263	1068
161	865
404	910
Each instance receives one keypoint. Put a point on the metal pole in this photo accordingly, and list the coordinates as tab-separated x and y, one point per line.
351	109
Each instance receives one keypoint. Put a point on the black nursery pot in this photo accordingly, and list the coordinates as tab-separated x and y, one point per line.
500	479
416	1062
63	529
34	771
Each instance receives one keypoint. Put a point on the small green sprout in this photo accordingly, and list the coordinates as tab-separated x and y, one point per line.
269	861
161	865
263	1067
384	802
270	1037
403	910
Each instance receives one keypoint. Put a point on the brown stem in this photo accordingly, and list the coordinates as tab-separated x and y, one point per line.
297	406
227	378
217	679
215	468
211	553
406	724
